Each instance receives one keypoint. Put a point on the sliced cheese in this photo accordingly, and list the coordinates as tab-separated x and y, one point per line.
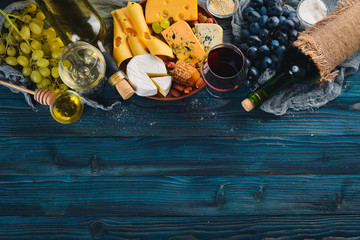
156	10
137	70
183	42
163	84
125	22
136	45
135	12
121	49
156	47
208	34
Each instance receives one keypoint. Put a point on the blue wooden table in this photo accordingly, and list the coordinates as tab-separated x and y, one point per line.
197	168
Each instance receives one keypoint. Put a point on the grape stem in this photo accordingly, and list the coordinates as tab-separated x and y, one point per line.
14	27
283	3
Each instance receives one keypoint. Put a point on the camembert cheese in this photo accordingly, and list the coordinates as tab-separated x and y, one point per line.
208	34
137	70
163	84
156	10
183	42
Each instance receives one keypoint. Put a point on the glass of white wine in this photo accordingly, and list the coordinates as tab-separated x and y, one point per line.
82	66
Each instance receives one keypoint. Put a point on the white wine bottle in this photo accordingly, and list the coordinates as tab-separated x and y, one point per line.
77	20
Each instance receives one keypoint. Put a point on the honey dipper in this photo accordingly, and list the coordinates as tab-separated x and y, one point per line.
43	96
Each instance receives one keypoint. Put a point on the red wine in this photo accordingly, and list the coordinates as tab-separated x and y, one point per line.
226	67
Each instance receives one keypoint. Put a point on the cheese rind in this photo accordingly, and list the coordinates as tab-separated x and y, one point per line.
163	84
137	70
156	10
208	34
183	42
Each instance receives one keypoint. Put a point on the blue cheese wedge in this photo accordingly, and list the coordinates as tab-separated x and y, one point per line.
137	70
208	34
163	84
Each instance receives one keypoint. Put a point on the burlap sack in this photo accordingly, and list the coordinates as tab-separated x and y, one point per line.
333	39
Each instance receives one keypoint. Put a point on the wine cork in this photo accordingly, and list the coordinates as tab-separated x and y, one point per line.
118	80
248	105
332	40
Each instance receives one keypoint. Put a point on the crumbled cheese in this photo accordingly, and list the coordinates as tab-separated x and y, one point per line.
222	7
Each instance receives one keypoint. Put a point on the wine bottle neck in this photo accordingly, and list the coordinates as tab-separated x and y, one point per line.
271	87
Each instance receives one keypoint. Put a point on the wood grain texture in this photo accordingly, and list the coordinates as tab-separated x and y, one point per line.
187	118
198	168
326	227
179	196
179	156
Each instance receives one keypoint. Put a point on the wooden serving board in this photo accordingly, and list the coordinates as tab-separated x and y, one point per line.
170	97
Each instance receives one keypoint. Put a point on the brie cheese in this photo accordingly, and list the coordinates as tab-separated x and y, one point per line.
137	70
163	84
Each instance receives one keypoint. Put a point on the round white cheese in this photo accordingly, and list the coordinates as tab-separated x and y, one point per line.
137	70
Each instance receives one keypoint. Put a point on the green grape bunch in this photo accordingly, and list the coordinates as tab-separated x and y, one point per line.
31	47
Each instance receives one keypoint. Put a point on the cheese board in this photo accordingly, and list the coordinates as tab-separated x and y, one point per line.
170	97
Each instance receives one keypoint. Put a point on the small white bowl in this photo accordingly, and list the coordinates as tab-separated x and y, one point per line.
303	21
236	2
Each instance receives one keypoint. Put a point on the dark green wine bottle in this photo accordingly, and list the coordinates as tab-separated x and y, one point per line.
295	67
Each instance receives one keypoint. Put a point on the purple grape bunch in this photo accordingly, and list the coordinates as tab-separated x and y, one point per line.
268	29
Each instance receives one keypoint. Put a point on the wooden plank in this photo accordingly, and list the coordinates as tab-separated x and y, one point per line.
191	117
179	156
350	89
179	196
326	227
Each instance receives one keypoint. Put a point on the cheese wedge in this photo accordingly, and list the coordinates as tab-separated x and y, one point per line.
121	49
209	35
137	70
183	42
156	10
163	84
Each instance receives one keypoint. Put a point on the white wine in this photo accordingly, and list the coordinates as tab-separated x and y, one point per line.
77	20
82	66
74	20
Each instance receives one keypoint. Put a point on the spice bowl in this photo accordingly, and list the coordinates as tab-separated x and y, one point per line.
222	8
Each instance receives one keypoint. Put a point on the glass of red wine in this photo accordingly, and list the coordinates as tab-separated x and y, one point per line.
223	69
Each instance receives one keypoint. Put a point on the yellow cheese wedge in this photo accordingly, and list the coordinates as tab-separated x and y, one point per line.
121	49
183	42
156	10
